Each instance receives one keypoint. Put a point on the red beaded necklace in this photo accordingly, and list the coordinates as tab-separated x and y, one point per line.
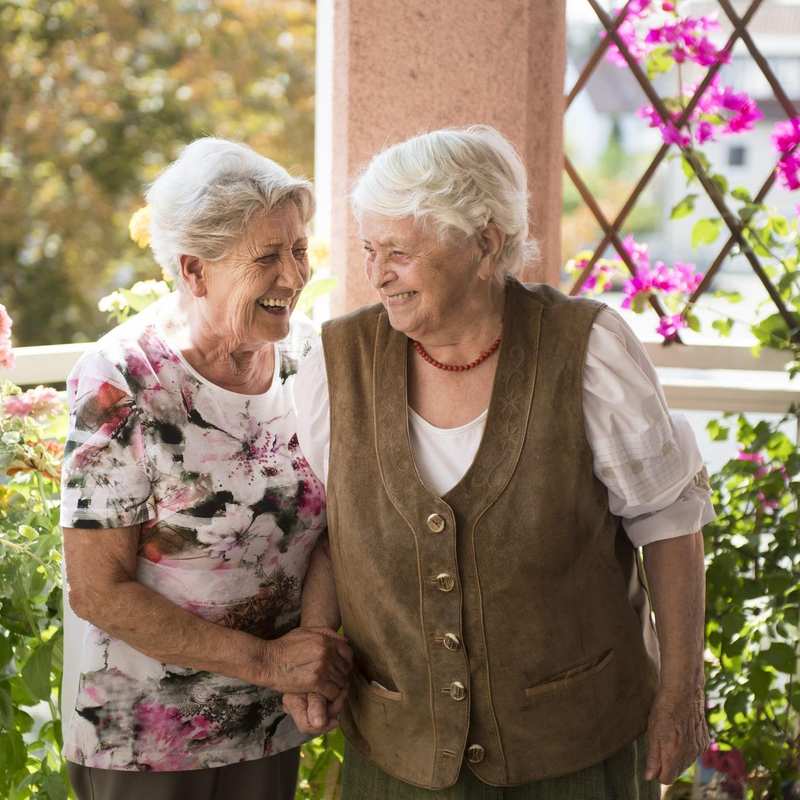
424	354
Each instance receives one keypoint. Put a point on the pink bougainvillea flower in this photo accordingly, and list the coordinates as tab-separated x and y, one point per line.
669	325
786	135
39	402
788	169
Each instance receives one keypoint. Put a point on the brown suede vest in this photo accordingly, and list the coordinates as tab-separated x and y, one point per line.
494	623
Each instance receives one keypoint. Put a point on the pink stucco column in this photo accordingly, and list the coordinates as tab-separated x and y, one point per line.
390	69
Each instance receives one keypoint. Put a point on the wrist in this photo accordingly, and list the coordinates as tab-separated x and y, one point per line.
261	662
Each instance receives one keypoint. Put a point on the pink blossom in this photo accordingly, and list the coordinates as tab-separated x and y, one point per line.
786	135
728	762
5	323
7	359
39	402
669	325
788	169
6	353
165	735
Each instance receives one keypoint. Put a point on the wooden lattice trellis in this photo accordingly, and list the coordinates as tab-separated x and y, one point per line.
611	229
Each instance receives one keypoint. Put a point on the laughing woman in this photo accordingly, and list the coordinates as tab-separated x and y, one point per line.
189	511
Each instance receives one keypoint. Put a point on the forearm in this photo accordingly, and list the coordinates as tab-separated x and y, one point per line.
320	606
676	576
155	626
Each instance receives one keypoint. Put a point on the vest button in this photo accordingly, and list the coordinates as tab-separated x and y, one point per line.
445	582
475	754
457	690
451	641
436	523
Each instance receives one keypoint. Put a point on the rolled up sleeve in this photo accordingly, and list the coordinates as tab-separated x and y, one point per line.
647	458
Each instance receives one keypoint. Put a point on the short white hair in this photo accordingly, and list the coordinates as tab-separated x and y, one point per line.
457	179
202	203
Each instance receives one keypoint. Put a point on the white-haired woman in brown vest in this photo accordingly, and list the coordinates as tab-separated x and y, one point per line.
494	456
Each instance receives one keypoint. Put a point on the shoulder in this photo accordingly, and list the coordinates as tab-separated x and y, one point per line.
362	319
132	356
555	301
294	349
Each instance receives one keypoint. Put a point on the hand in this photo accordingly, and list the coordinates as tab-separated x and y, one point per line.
312	713
308	660
676	733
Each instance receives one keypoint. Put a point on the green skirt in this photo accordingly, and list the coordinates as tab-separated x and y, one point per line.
619	777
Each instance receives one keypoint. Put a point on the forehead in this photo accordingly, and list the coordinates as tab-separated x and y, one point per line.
279	225
381	230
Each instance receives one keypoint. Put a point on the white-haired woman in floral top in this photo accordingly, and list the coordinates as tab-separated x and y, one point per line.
189	511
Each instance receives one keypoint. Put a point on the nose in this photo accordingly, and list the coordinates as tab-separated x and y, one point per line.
377	271
292	274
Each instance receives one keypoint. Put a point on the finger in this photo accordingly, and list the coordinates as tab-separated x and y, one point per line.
296	706
327	689
335	708
653	765
317	711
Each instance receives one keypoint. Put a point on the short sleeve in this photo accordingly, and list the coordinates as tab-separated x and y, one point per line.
105	480
312	407
647	457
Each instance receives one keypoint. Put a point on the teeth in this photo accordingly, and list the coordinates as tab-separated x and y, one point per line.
403	295
273	302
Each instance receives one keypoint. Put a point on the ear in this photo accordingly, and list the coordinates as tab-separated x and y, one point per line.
193	273
490	241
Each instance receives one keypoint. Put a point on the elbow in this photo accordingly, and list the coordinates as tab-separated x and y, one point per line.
87	604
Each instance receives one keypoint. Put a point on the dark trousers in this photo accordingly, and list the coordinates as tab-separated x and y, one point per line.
619	777
272	778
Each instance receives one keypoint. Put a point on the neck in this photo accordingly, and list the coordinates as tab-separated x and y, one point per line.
220	358
473	327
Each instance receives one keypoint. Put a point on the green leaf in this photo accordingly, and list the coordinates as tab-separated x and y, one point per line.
13	753
723	326
721	182
36	672
23	721
706	231
693	322
6	651
6	708
54	786
731	297
313	291
717	432
781	656
659	61
740	193
684	207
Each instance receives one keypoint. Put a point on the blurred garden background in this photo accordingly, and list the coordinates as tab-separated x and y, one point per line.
98	96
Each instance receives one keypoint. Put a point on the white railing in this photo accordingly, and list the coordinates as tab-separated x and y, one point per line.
695	377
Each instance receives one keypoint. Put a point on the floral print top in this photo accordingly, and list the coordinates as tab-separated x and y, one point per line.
230	513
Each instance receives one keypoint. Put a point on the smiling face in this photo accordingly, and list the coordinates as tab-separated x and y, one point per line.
425	284
250	294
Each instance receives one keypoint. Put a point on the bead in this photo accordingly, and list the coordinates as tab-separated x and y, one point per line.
426	356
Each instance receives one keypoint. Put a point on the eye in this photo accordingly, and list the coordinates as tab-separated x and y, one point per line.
398	254
300	252
268	258
369	250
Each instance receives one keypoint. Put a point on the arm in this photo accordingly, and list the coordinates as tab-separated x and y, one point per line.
677	731
310	711
101	569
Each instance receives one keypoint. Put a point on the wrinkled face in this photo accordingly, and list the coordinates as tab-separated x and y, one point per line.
424	283
251	292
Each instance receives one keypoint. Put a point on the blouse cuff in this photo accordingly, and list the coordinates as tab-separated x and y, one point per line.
689	513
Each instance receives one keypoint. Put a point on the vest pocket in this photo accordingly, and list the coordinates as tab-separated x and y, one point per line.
572	675
375	689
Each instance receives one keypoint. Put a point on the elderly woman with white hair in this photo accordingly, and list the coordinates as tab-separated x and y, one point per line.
189	510
495	454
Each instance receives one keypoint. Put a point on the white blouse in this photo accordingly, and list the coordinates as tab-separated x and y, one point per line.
647	458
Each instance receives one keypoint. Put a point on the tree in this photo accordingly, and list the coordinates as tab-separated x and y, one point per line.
96	97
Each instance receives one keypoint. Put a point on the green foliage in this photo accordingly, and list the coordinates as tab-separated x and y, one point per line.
684	207
97	97
31	637
321	759
753	605
706	231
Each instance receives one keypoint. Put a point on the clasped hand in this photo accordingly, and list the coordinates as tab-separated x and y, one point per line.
317	664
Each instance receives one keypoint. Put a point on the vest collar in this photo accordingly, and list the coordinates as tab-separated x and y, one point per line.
506	424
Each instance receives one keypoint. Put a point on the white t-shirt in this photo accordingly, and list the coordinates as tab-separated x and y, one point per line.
647	458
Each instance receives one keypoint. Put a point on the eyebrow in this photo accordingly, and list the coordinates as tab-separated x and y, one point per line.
279	242
387	243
